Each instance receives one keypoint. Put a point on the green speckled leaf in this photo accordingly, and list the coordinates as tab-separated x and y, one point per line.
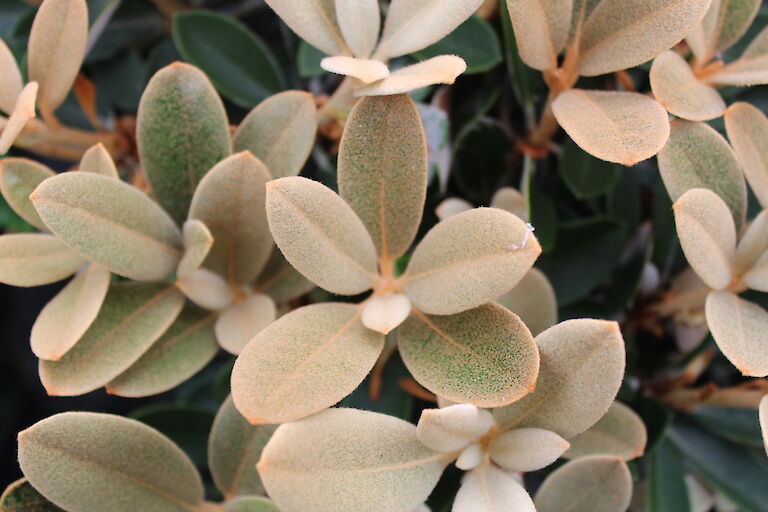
281	281
723	25
251	504
20	496
19	177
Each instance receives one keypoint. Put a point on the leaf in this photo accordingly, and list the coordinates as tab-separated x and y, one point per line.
242	321
733	423
707	235
20	496
382	171
65	319
753	243
485	356
110	223
740	329
533	300
454	427
452	206
234	448
184	349
747	130
348	460
680	91
621	127
320	235
541	30
206	289
475	41
750	69
456	265
198	241
98	160
281	281
582	366
383	313
182	131
86	461
304	362
597	483
489	488
251	504
725	23
620	433
666	490
621	35
526	449
407	30
365	70
236	60
360	22
35	259
764	421
511	200
11	82
313	21
132	318
308	60
587	177
696	156
23	111
19	177
437	70
280	132
56	48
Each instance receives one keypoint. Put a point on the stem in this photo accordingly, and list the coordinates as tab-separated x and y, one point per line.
340	103
529	168
548	124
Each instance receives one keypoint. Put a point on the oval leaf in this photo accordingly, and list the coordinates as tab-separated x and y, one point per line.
490	488
19	177
206	289
241	322
740	329
620	433
98	161
11	83
526	449
35	259
541	29
750	69
360	22
680	91
533	300
454	427
437	70
23	111
724	24
281	281
383	313
314	21
747	130
20	496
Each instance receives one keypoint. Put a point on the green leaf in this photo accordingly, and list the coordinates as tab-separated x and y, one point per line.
36	259
309	58
19	177
586	176
666	490
86	461
20	496
237	61
474	40
737	425
182	131
543	216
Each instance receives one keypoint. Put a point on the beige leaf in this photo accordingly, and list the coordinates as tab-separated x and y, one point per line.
750	69
590	484
280	132
621	127
198	241
490	488
582	366
471	457
320	235
764	420
443	69
452	206
757	276
680	91
365	70
314	21
740	329
98	160
206	289
382	171
56	48
527	449
621	35
533	300
230	200
19	177
11	83
511	200
469	260
484	356
620	433
454	427
132	318
281	281
383	313
725	23
541	29
707	235
304	362
360	22
242	321
35	259
747	129
65	319
88	461
753	243
347	460
110	223
23	111
250	504
412	25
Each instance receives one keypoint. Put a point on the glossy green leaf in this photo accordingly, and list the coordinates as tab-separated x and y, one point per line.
309	58
36	259
20	496
586	176
735	424
475	41
666	490
19	177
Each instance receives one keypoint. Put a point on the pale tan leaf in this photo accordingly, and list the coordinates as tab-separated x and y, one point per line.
88	461
382	171
753	243
725	23
623	34
541	29
383	313
764	420
526	449
533	300
98	160
320	235
488	488
443	69
65	319
56	48
23	111
19	177
590	484
230	200
740	329
347	460
110	223
484	356
250	504
471	457
454	427
365	70
582	366
757	276
280	132
621	127
680	91
511	200
314	21
304	362
11	83
281	281
707	235
468	260
413	25
132	317
360	22
620	433
242	321
747	129
36	259
750	69
452	206
198	241
206	289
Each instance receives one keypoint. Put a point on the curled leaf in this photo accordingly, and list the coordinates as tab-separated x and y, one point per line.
36	259
747	130
23	111
454	427
680	91
198	241
533	300
443	69
384	313
365	70
620	433
19	177
541	29
526	449
490	488
314	21
11	83
98	160
740	329
241	322
360	22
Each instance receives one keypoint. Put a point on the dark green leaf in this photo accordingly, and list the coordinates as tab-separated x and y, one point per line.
393	400
586	176
480	159
543	217
474	40
309	58
666	490
737	425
